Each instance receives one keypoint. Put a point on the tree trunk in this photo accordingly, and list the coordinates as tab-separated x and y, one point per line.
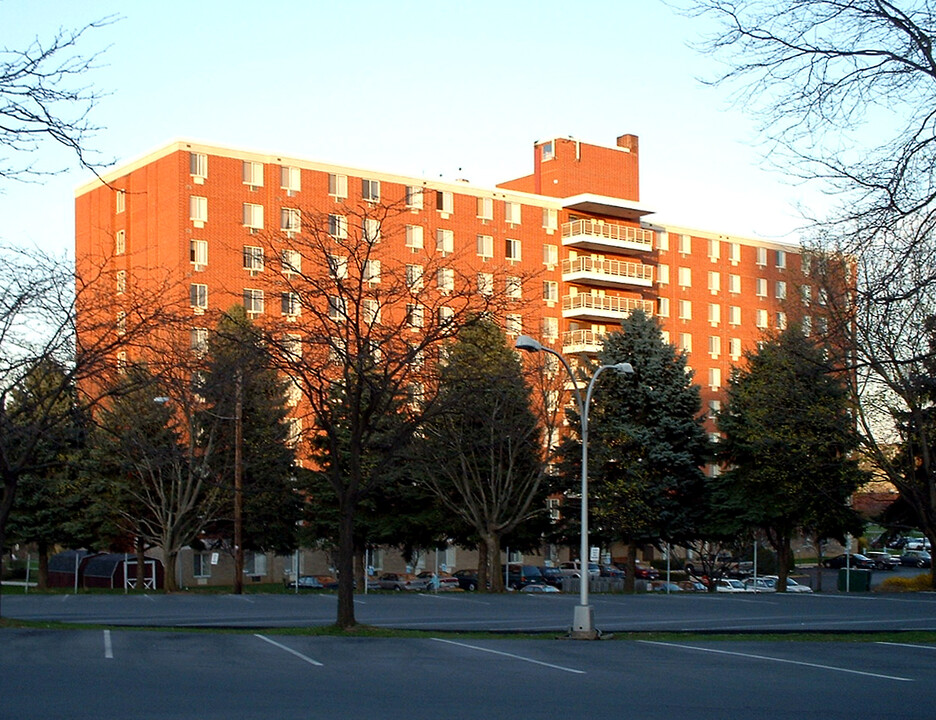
360	571
630	575
818	587
784	561
345	618
484	568
492	540
140	563
42	581
172	559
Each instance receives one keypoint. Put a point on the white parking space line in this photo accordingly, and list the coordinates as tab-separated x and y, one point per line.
510	655
778	660
108	647
290	651
908	645
240	597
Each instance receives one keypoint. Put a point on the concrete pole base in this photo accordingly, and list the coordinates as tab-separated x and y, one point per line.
583	623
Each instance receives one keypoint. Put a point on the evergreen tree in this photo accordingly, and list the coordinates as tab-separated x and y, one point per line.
483	456
646	443
789	445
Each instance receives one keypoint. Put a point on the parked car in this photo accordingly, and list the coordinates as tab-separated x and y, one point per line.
538	587
573	569
397	581
429	581
519	576
662	586
692	586
552	576
646	572
916	558
883	560
307	582
791	585
856	561
761	584
732	585
611	571
467	579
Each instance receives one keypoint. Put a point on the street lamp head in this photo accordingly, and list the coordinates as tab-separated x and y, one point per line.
624	368
161	400
525	342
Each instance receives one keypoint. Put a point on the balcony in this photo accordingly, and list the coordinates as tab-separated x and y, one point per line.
582	341
600	308
606	273
602	236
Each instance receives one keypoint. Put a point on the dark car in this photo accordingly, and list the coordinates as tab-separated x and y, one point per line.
307	582
642	572
916	558
856	560
519	576
611	571
552	576
884	561
467	579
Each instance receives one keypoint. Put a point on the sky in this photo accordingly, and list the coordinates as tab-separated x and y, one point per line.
433	90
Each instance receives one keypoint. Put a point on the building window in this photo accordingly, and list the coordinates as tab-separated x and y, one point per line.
663	274
662	240
198	253
512	212
292	346
414	197
446	314
781	259
120	201
685	244
337	267
414	237
445	241
198	340
550	291
685	277
714	375
253	301
485	246
807	325
514	325
120	242
414	277
550	219
714	282
201	564
372	271
198	296
822	297
486	283
338	226
255	563
370	231
445	277
547	151
714	408
685	342
780	290
198	210
370	190
734	315
445	201
253	174
289	304
760	287
253	258
761	318
685	310
290	220
663	309
781	320
714	313
714	249
290	179
486	208
514	287
550	328
550	255
714	346
336	308
198	166
253	216
291	261
338	186
734	348
734	284
762	256
370	310
806	294
121	281
734	252
512	249
414	315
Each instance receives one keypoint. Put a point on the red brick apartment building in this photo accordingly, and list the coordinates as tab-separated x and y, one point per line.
574	229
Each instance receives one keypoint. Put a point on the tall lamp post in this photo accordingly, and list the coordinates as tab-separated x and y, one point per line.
583	620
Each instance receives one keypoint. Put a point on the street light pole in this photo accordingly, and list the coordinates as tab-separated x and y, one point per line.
239	483
583	619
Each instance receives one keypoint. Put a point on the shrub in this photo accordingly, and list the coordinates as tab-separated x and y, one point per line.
916	583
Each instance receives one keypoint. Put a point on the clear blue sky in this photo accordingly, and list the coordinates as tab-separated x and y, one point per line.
445	89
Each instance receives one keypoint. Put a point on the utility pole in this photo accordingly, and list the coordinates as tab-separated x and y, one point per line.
239	483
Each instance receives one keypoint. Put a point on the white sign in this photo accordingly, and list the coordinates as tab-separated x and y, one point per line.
594	553
214	558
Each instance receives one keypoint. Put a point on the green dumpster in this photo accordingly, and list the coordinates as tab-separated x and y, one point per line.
854	580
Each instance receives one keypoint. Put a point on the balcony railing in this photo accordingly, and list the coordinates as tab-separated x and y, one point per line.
596	235
579	341
604	271
586	305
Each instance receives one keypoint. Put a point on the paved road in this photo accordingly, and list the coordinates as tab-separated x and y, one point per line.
513	612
